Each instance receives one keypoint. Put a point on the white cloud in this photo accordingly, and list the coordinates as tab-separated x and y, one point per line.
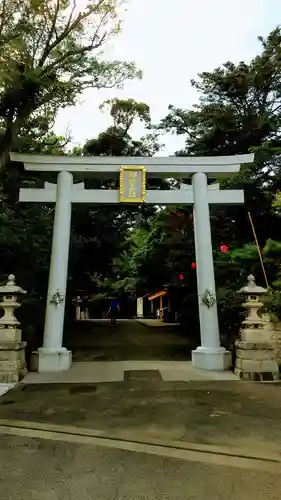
172	42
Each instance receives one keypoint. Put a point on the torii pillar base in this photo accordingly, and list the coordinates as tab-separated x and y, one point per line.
51	360
212	359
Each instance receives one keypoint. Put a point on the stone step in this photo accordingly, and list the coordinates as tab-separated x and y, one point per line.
257	366
257	354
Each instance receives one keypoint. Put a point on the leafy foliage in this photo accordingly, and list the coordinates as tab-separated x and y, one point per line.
116	140
100	243
238	111
50	53
239	105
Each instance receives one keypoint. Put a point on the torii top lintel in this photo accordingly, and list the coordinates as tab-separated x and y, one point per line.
156	166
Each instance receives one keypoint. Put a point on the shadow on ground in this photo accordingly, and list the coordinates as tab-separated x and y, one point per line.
215	413
130	340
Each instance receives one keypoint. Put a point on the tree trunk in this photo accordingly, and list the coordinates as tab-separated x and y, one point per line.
5	146
12	128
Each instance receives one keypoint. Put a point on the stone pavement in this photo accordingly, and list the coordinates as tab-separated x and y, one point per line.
139	430
220	413
5	388
157	323
115	371
145	439
39	469
141	439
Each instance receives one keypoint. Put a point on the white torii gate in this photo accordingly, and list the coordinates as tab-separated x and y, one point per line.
209	355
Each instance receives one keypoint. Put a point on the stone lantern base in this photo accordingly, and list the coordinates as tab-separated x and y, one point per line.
12	361
274	325
256	361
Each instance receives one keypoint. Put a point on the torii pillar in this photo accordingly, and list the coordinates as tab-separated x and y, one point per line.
210	355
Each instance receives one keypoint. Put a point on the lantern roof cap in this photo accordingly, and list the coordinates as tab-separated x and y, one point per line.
251	288
11	286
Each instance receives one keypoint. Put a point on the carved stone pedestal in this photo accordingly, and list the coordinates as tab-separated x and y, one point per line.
256	361
12	361
274	326
278	346
256	352
12	349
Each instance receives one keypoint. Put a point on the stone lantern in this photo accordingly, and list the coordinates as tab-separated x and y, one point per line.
78	302
256	352
12	349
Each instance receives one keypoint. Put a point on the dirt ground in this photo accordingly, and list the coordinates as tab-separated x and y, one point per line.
224	413
38	469
130	340
142	438
229	417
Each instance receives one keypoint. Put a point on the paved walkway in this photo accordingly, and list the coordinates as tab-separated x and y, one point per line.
223	413
159	430
130	340
5	388
116	371
102	353
58	469
156	323
137	440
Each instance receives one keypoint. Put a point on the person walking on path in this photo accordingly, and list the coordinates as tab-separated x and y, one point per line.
114	311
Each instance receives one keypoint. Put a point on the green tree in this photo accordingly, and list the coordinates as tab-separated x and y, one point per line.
238	111
26	229
239	105
37	136
99	234
100	242
116	140
50	53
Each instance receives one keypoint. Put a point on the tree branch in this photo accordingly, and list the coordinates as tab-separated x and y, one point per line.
278	108
71	14
98	28
63	35
51	33
91	84
70	53
3	16
36	45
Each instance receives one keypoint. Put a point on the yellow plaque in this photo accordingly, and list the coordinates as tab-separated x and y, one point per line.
132	184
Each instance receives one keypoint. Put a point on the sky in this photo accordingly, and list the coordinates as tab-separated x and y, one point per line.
171	42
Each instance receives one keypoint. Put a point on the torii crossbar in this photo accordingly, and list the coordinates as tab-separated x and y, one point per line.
209	355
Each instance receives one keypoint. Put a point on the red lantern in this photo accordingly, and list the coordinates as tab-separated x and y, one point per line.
181	277
224	249
193	265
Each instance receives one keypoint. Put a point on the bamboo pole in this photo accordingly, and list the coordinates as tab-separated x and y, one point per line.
258	249
161	307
